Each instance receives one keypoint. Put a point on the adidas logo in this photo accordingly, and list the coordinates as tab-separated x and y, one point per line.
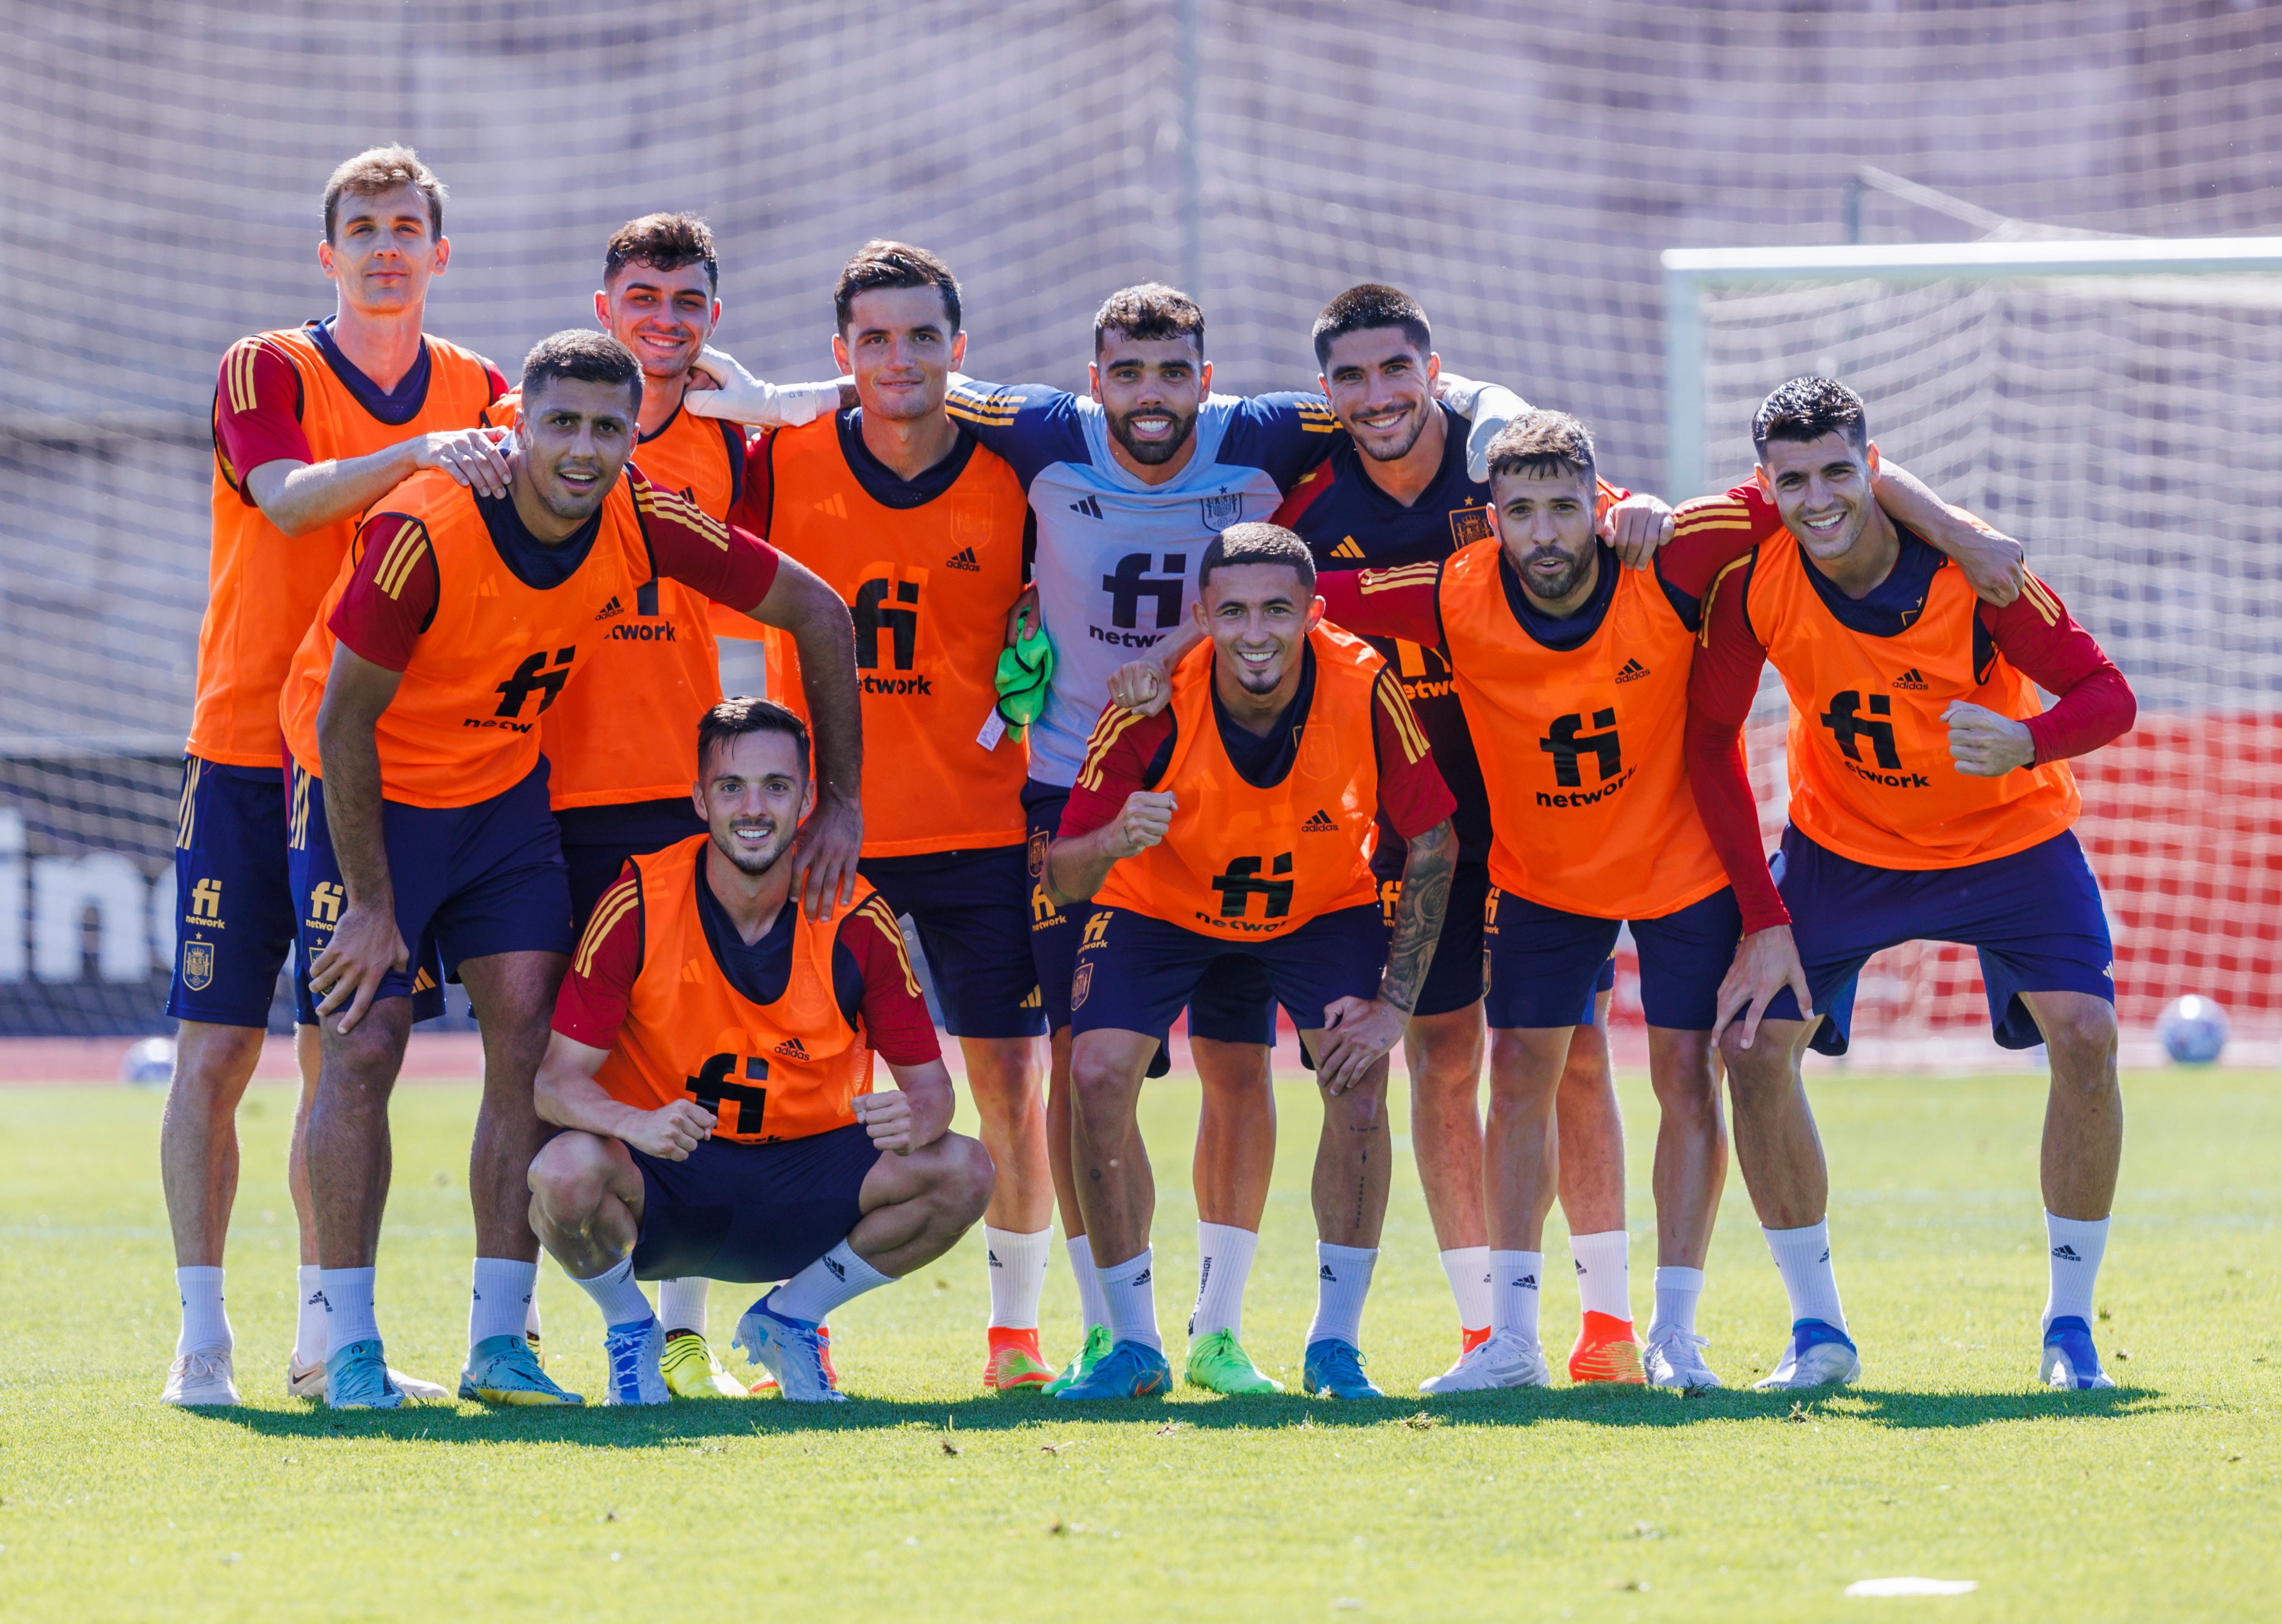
1910	678
993	1256
1088	506
839	1273
790	1049
1634	672
609	608
1348	550
1825	1257
1580	1266
1320	824
2067	1253
1327	1275
1142	1277
964	559
1528	1282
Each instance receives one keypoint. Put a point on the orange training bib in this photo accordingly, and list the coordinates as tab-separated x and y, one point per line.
1590	810
1871	776
1246	863
786	1070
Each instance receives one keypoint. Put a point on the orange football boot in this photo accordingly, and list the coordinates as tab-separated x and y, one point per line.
1468	1341
1015	1365
767	1384
1606	1350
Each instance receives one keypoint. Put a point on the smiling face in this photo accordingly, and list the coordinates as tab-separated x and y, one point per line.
1381	389
1821	487
1150	391
384	250
573	442
901	349
1544	521
663	316
1258	617
753	794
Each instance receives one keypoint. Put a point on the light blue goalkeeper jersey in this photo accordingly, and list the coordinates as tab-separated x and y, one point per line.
1116	565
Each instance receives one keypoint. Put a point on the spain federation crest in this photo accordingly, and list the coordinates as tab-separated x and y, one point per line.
1223	509
197	966
1080	982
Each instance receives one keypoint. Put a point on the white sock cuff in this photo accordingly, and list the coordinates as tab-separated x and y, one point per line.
1670	1276
500	1303
1018	1274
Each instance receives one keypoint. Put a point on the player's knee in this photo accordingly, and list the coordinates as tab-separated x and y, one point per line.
2081	1037
1766	1064
571	1175
968	1178
1099	1085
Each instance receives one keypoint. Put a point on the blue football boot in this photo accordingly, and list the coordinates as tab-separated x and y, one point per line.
1128	1369
632	1351
1818	1355
792	1350
1333	1369
2070	1360
504	1370
357	1378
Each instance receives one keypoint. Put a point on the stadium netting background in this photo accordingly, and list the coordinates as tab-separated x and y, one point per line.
1517	167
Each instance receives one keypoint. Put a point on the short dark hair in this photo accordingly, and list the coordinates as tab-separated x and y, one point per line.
1257	542
583	353
1149	311
1542	445
733	718
1807	408
1368	305
881	263
663	242
381	169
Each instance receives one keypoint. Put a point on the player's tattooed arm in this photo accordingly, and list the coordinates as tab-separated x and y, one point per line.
912	1115
566	1095
1358	1033
300	497
366	945
1993	562
823	855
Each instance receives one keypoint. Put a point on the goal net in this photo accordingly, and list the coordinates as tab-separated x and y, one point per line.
2115	404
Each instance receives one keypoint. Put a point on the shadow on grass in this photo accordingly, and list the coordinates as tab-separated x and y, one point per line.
697	1422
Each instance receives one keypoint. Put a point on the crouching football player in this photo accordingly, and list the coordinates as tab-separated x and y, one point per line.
712	1056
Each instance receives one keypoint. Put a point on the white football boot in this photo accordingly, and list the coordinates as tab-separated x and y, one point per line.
1504	1361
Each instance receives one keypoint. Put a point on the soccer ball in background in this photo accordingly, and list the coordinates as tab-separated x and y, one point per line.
148	1063
2193	1029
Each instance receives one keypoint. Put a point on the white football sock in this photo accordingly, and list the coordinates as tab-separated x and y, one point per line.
530	1309
1802	1258
1223	1264
838	1277
618	1294
1342	1281
681	1304
1676	1292
1017	1275
1604	1272
1515	1278
349	1308
1092	1308
2076	1245
1130	1291
310	1325
500	1303
205	1323
1467	1270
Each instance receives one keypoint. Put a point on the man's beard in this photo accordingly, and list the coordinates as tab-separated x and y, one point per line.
746	866
1553	591
1151	453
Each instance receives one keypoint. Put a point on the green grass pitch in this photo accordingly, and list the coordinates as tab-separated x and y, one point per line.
926	1499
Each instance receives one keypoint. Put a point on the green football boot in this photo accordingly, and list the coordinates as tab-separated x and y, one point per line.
1081	1361
1218	1363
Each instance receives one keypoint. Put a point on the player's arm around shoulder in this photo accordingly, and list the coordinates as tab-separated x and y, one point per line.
566	1094
798	602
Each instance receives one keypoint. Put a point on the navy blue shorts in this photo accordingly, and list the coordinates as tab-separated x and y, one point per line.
1546	965
974	921
1460	971
471	882
1232	1004
234	896
598	840
1134	972
751	1213
2035	917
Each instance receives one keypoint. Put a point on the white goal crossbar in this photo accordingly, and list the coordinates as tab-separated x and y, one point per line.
1689	272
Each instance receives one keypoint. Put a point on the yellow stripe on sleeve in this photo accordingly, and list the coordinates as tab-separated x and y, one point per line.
616	903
